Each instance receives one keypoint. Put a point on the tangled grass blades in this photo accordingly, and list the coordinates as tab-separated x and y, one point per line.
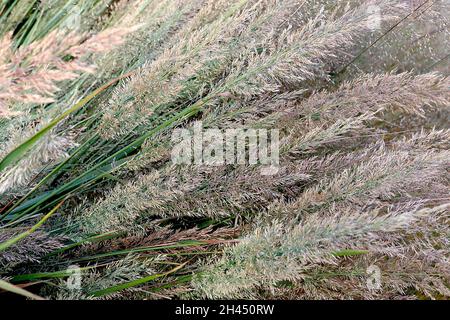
116	122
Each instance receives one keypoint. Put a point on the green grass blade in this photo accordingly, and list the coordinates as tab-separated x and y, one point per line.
109	164
16	155
97	238
134	283
349	253
5	245
15	289
47	275
181	244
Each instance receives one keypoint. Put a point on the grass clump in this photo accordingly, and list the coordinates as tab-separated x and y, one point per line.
91	91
